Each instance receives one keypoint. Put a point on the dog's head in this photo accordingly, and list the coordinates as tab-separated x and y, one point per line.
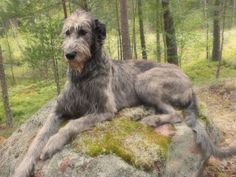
83	36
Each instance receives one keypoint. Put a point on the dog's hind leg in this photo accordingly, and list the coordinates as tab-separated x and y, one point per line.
149	95
73	128
150	92
160	119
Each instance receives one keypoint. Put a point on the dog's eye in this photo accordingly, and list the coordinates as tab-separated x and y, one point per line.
82	32
67	33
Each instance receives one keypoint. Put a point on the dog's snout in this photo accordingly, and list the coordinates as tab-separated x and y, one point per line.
71	55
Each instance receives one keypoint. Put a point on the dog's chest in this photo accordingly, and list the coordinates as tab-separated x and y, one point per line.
82	99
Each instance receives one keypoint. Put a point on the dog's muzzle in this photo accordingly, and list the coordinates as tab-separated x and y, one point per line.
71	55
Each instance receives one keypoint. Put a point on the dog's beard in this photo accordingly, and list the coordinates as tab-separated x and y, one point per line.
78	63
76	66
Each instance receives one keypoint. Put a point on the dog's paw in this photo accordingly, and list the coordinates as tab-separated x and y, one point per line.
24	169
177	117
20	174
54	144
152	121
45	155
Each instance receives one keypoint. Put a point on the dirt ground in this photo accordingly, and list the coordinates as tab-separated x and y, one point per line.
220	100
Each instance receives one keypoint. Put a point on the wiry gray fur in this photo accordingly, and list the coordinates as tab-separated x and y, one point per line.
97	88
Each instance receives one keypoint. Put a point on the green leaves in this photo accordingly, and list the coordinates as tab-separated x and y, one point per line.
43	44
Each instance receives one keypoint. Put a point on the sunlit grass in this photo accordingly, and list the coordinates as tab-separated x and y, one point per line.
204	71
27	99
229	43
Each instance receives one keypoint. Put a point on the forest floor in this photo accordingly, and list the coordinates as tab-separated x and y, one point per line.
220	100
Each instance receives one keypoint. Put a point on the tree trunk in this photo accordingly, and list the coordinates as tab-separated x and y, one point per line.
11	60
158	31
119	40
163	38
69	5
64	8
125	29
134	30
222	40
172	56
205	11
232	13
14	33
7	109
234	10
109	44
216	32
54	61
141	30
56	74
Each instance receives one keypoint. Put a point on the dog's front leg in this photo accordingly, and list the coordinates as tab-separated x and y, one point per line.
50	127
73	128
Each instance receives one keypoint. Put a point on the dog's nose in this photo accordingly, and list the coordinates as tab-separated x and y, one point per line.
71	55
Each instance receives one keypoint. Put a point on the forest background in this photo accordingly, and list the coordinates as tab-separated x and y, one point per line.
197	35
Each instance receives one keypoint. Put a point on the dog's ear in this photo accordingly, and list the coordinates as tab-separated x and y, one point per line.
100	30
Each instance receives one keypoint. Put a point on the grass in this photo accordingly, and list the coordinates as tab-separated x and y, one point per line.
132	141
27	99
203	71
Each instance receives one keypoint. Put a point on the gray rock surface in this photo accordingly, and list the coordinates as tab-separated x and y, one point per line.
70	164
184	159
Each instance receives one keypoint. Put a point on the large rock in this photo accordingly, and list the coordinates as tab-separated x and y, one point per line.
182	159
70	164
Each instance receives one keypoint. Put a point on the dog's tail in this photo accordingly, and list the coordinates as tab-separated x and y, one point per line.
202	138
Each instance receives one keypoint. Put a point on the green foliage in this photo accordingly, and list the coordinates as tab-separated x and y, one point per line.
12	8
132	141
44	44
27	99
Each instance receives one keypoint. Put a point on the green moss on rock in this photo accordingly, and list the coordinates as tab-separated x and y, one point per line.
130	140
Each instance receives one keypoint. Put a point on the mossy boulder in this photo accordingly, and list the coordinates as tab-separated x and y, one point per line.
122	147
134	142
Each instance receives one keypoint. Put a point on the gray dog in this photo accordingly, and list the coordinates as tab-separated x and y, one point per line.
97	88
